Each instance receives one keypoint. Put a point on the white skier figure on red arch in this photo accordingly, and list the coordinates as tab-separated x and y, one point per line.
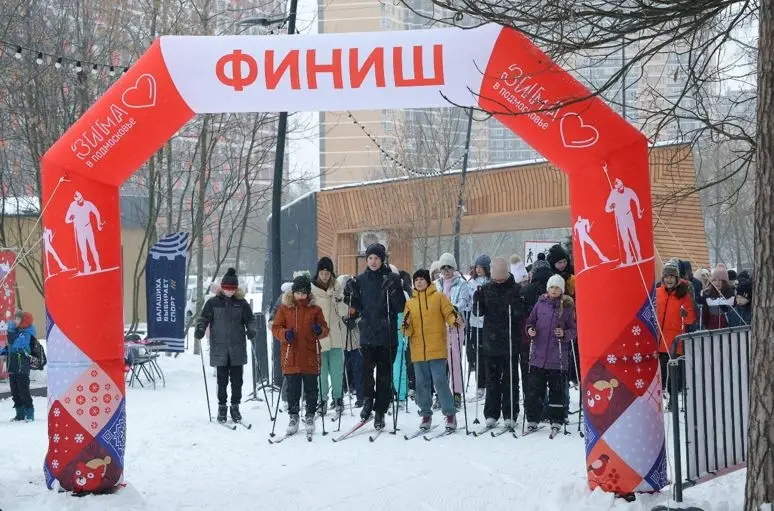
79	215
619	202
582	232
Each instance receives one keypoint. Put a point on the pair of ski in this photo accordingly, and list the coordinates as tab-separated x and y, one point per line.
285	436
495	431
356	428
429	438
233	425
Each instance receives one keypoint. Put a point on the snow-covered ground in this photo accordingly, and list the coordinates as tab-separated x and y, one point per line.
177	460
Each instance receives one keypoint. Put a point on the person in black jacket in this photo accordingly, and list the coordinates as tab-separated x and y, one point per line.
229	317
377	294
495	300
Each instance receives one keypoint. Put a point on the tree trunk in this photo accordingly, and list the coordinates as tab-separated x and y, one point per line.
760	433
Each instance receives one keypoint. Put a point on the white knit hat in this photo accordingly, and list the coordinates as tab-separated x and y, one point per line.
556	281
447	259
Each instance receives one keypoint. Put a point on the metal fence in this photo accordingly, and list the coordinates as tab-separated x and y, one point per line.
715	404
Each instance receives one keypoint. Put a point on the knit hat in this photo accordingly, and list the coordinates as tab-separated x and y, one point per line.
556	281
556	254
302	284
447	259
229	282
325	263
485	262
732	275
422	274
541	256
434	267
744	288
286	286
719	274
515	259
378	250
670	268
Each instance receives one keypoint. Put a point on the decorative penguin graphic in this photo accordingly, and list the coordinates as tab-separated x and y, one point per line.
88	476
599	396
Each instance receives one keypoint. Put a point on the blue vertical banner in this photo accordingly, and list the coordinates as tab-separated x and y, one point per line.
165	287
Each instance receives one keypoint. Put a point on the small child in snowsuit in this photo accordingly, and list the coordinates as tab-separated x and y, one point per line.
425	319
551	325
300	324
20	333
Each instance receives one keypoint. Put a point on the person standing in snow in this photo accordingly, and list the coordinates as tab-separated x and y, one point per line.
329	296
456	290
300	323
561	265
475	346
551	325
425	320
674	309
531	293
501	304
229	318
353	359
20	334
378	297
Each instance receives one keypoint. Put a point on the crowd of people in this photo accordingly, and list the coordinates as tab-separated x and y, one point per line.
387	336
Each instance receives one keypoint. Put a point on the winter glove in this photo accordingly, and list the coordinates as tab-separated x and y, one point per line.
559	333
531	331
317	329
290	336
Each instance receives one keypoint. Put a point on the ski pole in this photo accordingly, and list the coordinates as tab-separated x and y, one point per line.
565	383
580	392
319	383
464	400
510	358
478	367
204	374
260	378
282	387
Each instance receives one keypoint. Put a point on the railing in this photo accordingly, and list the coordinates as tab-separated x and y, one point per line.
715	404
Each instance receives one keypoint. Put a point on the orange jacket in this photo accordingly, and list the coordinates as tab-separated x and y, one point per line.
668	306
301	357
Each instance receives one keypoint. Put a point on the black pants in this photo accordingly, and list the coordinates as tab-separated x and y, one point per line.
381	359
538	379
665	384
233	373
294	382
499	387
20	391
471	352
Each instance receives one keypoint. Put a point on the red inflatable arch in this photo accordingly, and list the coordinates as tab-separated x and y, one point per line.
494	68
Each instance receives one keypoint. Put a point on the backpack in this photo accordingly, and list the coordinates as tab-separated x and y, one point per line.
38	355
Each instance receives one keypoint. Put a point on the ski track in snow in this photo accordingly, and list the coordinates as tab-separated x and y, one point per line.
177	460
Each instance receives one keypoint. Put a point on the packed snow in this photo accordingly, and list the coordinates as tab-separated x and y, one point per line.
177	459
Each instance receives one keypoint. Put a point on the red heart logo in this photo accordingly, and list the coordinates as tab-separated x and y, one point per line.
575	133
142	94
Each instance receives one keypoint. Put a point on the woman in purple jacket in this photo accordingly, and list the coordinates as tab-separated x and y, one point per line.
551	326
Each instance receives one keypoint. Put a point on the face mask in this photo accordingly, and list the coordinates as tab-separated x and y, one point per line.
229	293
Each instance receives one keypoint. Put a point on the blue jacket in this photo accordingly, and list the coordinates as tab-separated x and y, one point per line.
18	349
459	294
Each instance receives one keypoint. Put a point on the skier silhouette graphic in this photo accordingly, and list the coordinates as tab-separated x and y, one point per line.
619	203
582	231
79	215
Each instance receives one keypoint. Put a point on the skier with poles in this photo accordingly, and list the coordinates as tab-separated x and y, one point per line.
482	275
456	290
424	322
501	304
329	296
300	324
551	325
229	318
377	295
353	359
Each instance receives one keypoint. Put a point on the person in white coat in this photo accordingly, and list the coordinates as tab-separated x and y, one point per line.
455	287
329	296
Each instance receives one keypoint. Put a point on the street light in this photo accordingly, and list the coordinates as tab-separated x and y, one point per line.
261	22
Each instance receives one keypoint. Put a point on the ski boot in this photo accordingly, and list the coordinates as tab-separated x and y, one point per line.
235	415
491	422
222	413
29	414
368	406
379	420
451	423
309	424
426	423
19	415
292	424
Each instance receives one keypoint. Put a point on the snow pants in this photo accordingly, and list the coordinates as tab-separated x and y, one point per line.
538	379
380	359
20	391
455	341
399	371
354	367
333	370
233	374
500	389
294	383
